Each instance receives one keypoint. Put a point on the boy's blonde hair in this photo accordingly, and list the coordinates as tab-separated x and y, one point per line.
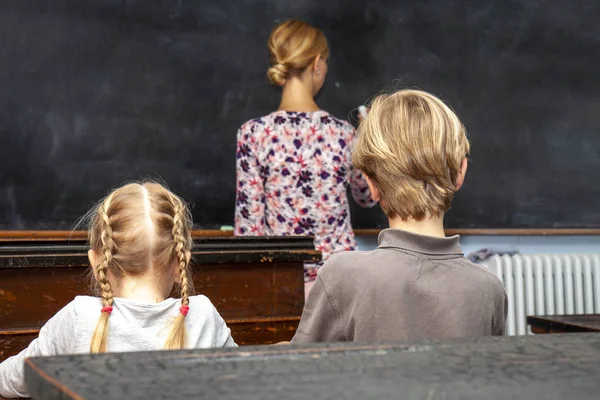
136	229
411	146
293	46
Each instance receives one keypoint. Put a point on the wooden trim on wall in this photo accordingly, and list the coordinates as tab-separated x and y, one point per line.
7	236
504	232
525	232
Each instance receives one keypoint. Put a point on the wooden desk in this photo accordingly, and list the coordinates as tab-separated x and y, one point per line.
565	323
257	284
549	367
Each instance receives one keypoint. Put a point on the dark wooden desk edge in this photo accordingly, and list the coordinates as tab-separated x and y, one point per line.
425	346
410	346
59	235
52	381
71	250
545	322
199	259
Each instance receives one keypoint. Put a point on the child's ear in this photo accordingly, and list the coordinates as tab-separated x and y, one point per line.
375	194
175	272
93	258
460	179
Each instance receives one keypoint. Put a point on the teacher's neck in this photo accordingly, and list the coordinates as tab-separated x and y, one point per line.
296	96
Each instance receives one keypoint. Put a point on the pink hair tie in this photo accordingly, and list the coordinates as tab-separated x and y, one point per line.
106	309
184	310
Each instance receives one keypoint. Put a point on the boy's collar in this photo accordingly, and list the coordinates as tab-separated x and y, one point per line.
419	243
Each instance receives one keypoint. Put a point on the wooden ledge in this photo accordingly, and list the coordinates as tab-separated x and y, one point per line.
67	252
199	234
503	232
39	235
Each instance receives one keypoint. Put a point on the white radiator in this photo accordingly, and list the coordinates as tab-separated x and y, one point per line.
547	284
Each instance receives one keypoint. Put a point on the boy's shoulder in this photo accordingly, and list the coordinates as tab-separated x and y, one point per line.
346	263
352	265
486	275
480	276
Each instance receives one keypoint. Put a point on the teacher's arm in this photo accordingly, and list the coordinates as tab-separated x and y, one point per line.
250	193
358	184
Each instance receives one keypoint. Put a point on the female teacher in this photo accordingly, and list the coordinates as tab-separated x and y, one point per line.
293	165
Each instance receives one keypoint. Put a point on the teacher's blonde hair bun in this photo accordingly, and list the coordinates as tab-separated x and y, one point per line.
293	46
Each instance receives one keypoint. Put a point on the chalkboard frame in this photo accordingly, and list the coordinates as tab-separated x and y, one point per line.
48	235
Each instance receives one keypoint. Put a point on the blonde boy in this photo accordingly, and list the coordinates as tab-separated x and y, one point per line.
416	284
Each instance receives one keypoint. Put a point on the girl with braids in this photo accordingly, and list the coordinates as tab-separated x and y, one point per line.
140	239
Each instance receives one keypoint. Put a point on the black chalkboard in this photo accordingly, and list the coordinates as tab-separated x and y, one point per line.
95	93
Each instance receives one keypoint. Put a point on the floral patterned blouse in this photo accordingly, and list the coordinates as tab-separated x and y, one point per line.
292	172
